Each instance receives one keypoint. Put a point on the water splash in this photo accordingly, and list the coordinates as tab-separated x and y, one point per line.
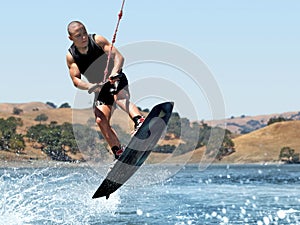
52	196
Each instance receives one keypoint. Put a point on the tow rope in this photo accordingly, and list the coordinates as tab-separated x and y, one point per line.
113	41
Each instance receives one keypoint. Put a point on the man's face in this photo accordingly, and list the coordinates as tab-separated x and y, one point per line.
78	35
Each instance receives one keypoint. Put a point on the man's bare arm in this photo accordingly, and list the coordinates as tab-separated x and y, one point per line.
76	75
115	54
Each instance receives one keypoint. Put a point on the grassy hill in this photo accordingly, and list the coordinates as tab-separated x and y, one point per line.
245	124
261	145
264	145
30	111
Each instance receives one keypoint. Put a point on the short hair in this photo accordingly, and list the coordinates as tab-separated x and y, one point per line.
73	23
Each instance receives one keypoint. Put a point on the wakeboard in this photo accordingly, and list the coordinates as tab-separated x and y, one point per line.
137	150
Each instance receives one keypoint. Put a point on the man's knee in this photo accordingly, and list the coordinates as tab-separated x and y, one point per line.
102	122
98	120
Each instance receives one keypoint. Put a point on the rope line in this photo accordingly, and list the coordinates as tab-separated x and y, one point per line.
113	41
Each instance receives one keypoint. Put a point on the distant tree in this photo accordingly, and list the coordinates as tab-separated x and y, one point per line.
16	142
174	125
15	122
288	154
295	116
253	123
51	104
276	120
164	148
9	138
65	105
41	117
207	136
17	111
204	133
67	138
296	158
227	146
53	123
57	140
34	132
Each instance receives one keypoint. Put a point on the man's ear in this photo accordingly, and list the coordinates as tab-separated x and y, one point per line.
70	38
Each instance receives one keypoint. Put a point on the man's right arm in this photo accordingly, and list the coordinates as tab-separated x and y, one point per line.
76	75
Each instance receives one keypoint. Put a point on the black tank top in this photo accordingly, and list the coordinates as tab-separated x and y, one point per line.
83	61
92	64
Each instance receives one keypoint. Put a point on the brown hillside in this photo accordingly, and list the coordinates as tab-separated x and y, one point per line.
235	124
26	107
264	145
259	146
59	115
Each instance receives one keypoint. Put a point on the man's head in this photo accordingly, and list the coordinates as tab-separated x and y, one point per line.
78	34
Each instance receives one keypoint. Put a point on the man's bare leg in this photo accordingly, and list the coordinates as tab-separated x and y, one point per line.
103	115
123	101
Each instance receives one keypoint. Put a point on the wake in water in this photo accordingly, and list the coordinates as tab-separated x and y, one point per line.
253	195
52	196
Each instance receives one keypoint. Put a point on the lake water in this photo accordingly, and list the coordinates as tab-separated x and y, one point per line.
235	194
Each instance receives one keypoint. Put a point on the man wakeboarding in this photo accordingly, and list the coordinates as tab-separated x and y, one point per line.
88	56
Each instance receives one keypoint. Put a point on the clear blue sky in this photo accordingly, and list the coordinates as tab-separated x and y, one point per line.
251	47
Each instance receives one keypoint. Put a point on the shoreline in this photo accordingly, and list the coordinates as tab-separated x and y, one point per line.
38	164
58	164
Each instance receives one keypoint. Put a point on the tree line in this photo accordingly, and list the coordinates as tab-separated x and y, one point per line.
195	135
9	138
288	155
56	140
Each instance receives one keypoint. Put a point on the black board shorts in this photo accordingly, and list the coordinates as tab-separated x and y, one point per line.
106	95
